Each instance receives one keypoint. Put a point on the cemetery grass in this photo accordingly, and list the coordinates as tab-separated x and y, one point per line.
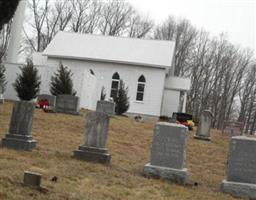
58	135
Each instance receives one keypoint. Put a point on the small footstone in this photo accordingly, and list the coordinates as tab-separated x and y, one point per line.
32	179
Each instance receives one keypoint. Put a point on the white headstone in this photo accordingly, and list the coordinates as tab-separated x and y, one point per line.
204	127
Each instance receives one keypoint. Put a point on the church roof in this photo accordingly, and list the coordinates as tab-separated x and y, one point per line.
145	52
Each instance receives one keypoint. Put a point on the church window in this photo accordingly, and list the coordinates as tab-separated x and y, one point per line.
115	84
140	88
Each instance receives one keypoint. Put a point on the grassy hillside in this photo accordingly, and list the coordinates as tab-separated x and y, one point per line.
129	144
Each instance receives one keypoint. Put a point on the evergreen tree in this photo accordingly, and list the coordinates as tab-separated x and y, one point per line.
2	78
27	84
61	82
121	99
7	10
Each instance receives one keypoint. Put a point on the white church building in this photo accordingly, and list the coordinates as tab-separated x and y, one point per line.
144	65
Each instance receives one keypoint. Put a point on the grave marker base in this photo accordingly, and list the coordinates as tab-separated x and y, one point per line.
241	190
18	142
92	154
66	112
179	176
201	137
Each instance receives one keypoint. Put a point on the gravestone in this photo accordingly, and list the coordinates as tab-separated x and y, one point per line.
241	168
32	179
231	128
19	136
106	107
168	153
50	98
96	132
68	104
204	127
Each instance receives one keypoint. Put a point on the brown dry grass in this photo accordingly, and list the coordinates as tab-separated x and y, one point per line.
129	144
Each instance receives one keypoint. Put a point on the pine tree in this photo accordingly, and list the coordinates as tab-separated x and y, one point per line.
61	82
27	84
2	78
7	10
121	99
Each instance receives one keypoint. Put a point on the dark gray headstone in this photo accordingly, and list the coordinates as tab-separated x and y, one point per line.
96	132
168	153
19	136
50	98
106	107
241	169
242	160
32	179
169	146
67	104
204	127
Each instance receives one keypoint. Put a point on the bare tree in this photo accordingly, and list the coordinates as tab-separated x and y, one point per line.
57	19
4	40
40	14
139	27
115	15
184	35
86	15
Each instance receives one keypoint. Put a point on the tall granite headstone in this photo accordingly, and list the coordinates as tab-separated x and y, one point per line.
96	132
204	127
168	153
50	98
106	107
68	104
19	136
241	168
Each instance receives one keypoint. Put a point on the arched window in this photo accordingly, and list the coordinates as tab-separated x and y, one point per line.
140	88
115	84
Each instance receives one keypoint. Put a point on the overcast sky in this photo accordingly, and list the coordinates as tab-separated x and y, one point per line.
234	17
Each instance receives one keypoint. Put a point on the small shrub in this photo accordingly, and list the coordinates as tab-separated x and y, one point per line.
121	99
27	84
61	82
